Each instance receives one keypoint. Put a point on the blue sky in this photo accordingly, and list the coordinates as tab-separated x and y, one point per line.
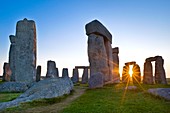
140	28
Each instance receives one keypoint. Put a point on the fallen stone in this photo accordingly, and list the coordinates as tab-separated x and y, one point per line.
13	87
131	88
161	92
96	80
48	88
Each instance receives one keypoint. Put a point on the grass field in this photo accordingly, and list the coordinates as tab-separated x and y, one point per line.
109	99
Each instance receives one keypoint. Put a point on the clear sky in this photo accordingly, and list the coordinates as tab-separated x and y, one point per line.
140	28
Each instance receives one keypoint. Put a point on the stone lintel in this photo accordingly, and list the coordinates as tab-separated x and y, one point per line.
130	63
150	59
82	67
96	27
115	50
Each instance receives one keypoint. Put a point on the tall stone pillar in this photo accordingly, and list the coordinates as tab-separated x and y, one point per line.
160	76
23	50
148	74
116	75
6	72
136	76
99	49
38	75
65	73
125	74
51	70
75	77
85	76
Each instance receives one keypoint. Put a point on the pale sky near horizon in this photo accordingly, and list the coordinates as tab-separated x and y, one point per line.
140	28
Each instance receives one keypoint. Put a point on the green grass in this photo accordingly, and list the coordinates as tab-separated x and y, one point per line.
5	97
112	99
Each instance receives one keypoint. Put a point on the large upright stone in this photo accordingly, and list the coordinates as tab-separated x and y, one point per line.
99	50
116	75
136	76
65	73
38	74
148	74
160	76
125	74
6	72
75	77
51	69
23	51
85	76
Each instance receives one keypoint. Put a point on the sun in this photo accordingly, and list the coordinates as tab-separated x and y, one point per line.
130	70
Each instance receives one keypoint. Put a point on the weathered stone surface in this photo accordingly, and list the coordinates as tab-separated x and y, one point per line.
85	76
51	70
98	56
13	87
96	80
65	73
116	75
23	51
131	88
148	74
75	77
38	75
161	92
6	72
150	59
136	76
160	76
125	74
48	88
95	27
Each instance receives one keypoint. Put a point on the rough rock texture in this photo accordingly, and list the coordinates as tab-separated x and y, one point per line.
116	75
23	51
96	80
161	92
6	72
95	27
75	77
51	70
136	76
148	74
65	73
48	88
160	76
125	74
85	76
13	87
38	74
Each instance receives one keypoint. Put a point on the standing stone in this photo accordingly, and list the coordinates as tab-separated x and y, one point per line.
99	49
57	72
51	69
65	73
12	56
6	72
23	48
75	77
160	76
38	75
96	80
125	74
116	75
85	76
136	76
148	74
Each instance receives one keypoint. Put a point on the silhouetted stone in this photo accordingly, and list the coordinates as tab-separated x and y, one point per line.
96	80
38	75
125	74
65	73
148	74
51	70
130	63
23	51
116	75
75	77
160	76
95	27
6	72
85	76
136	76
